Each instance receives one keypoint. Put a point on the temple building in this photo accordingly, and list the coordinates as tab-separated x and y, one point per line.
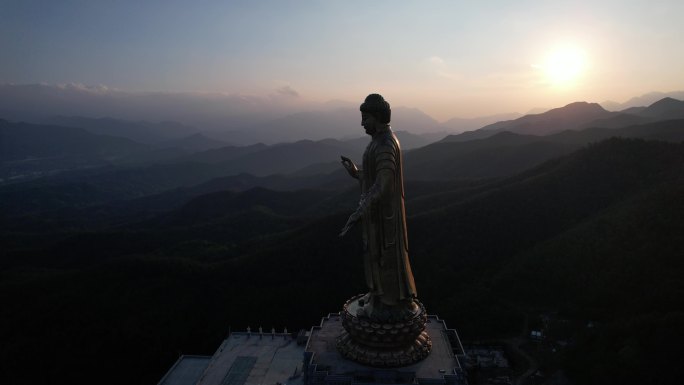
311	358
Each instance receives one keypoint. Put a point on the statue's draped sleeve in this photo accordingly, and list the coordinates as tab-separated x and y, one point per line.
384	170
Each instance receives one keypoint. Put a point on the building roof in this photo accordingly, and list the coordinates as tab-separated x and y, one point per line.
247	358
186	370
254	359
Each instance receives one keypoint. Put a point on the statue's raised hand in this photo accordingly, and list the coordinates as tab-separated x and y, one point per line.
350	166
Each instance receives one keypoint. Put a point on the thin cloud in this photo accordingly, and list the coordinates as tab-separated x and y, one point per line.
100	88
436	60
287	91
441	68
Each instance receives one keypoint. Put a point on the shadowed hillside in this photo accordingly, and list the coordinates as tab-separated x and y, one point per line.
582	234
506	153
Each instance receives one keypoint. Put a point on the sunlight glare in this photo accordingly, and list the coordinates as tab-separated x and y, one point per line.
564	65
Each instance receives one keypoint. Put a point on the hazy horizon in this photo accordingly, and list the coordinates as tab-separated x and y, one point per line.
74	99
448	60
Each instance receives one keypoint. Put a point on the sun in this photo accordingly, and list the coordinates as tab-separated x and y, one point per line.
563	66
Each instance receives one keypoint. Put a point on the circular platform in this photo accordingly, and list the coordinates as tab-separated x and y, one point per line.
384	344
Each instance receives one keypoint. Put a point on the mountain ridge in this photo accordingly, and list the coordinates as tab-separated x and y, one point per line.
578	115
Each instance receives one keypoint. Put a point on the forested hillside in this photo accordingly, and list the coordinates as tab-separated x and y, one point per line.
595	235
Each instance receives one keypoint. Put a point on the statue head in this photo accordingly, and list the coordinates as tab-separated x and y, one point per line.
375	113
377	106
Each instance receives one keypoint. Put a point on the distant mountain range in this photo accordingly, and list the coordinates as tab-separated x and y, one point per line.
160	135
143	132
506	153
86	168
578	115
458	125
30	151
341	123
501	155
554	120
643	100
192	143
244	120
23	141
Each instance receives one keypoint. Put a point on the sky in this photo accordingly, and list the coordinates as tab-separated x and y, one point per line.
447	58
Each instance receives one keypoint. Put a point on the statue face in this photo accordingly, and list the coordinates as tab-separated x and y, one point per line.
369	123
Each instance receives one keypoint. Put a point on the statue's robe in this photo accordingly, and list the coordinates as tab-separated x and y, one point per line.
388	272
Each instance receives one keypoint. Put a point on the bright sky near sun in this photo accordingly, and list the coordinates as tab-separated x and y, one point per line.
448	58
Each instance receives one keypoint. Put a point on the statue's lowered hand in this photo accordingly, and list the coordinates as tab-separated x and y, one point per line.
350	223
350	167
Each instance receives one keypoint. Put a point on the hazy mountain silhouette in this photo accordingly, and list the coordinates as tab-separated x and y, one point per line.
106	184
100	185
353	147
643	100
335	123
458	125
223	154
407	139
309	166
21	141
666	108
577	115
301	158
236	119
502	154
193	143
507	153
280	158
143	132
414	121
620	119
340	123
31	150
665	130
555	120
